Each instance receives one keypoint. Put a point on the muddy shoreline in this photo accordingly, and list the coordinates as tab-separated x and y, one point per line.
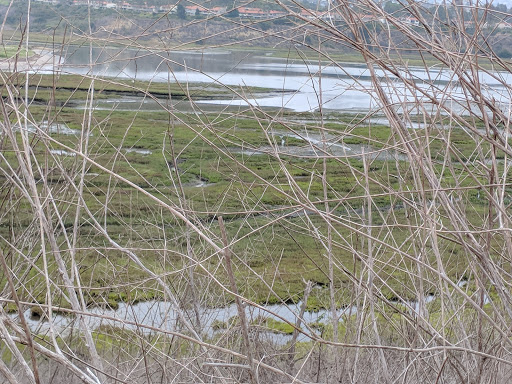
40	60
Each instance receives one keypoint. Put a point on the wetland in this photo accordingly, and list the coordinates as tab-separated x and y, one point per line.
267	194
197	131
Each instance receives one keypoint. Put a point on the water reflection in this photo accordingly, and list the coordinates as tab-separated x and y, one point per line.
342	88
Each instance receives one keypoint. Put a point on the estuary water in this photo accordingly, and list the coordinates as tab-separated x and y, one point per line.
296	85
150	316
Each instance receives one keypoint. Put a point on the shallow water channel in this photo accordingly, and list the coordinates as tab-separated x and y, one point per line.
316	146
162	315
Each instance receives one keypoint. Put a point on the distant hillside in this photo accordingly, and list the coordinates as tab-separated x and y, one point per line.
267	24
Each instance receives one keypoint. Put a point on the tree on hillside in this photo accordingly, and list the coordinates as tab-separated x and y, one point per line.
180	11
233	13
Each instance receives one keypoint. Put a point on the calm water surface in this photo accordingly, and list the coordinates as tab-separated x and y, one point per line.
309	85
